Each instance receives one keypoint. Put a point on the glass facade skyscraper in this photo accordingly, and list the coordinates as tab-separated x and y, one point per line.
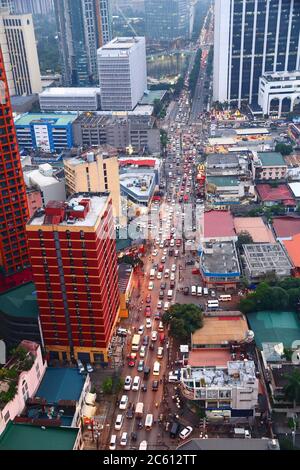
167	20
253	37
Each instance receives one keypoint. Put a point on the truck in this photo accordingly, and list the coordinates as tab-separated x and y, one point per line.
135	342
139	410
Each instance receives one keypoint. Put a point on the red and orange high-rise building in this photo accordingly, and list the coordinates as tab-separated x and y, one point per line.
74	262
14	260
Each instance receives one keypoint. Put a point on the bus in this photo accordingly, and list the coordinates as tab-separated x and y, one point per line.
212	304
152	274
225	298
135	342
149	422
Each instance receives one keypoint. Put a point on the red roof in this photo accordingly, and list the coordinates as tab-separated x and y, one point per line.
218	224
137	162
279	193
293	249
285	227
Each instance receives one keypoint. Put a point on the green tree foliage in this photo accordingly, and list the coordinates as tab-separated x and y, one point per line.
195	72
163	138
292	388
107	386
183	320
284	149
244	238
210	59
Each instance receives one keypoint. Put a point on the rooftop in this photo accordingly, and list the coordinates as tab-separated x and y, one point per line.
153	95
274	327
67	92
220	260
121	43
28	437
138	162
220	330
279	193
236	373
271	159
223	181
295	187
263	257
221	141
218	224
20	302
286	227
53	118
140	184
256	227
209	358
280	374
281	76
251	131
222	159
293	249
125	271
229	444
60	384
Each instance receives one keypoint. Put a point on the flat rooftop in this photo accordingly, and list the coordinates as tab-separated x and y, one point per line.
274	327
223	181
139	184
20	302
271	159
209	358
60	384
252	131
221	141
218	224
262	257
286	227
69	92
219	330
52	118
27	437
236	373
223	261
281	76
256	227
222	159
153	95
229	444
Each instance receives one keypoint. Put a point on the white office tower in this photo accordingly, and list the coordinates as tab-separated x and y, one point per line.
122	73
253	37
18	44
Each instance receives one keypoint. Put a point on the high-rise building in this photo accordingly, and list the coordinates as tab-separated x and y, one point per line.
13	201
36	7
17	40
9	4
122	72
83	26
95	171
253	37
73	255
167	20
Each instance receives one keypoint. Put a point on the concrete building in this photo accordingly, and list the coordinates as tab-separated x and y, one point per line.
167	21
74	262
279	93
48	132
294	132
70	99
44	180
268	166
117	130
252	38
34	199
229	444
122	73
219	265
280	194
233	164
28	381
234	387
95	171
227	190
18	44
138	187
135	165
286	227
36	7
218	226
262	258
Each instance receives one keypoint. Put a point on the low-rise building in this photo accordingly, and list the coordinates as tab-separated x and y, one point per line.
219	265
69	99
286	227
134	165
139	188
268	166
28	367
233	164
278	378
295	188
48	132
228	443
255	227
263	258
43	179
279	194
228	190
292	248
218	226
294	132
125	288
278	92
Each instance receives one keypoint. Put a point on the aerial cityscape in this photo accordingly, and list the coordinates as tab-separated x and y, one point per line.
150	227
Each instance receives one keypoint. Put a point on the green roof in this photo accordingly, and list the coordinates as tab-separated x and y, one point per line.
60	119
20	302
223	180
27	437
153	95
275	327
271	159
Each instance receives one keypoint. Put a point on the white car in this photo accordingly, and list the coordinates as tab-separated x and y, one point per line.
148	323
159	305
154	253
159	276
167	273
127	383
154	336
123	402
124	437
174	267
161	245
185	432
142	352
141	330
151	286
165	252
136	383
119	422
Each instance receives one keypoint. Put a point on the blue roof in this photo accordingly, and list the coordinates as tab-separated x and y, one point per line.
61	384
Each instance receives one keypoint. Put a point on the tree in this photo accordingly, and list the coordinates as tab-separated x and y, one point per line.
183	320
107	386
284	149
244	238
163	139
247	305
292	388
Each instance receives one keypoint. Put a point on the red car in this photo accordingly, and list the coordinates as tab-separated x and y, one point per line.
147	312
178	242
160	268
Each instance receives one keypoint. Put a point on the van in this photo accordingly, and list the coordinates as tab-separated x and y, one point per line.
113	442
152	274
160	352
166	306
119	422
161	326
148	422
170	294
199	291
156	368
194	290
151	285
174	430
205	291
